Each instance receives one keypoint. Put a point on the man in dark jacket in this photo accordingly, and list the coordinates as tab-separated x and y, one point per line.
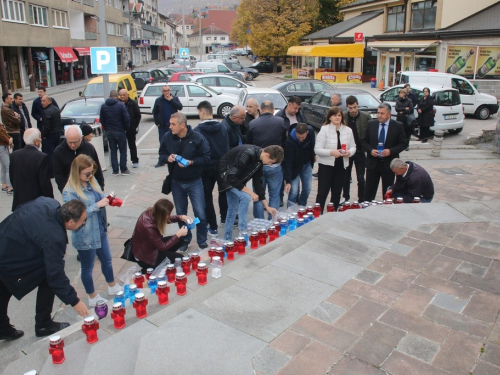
116	121
29	171
51	130
356	120
298	163
411	181
32	256
292	114
164	107
234	170
216	136
233	123
252	113
182	140
11	120
37	108
410	95
67	151
19	107
135	118
267	130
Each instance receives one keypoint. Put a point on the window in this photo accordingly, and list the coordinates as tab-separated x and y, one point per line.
60	19
423	15
396	18
197	92
303	86
318	86
316	98
209	38
209	81
228	82
462	86
222	38
178	91
109	2
118	29
13	10
110	27
127	83
118	4
215	38
447	98
391	95
38	16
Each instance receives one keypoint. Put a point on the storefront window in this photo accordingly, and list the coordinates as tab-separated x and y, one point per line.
325	62
423	15
424	63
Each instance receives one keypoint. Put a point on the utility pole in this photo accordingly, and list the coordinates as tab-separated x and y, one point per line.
102	39
200	44
183	28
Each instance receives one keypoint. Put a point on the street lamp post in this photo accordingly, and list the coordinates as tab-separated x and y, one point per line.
212	38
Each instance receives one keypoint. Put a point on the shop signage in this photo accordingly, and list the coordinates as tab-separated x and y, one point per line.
358	37
146	42
474	62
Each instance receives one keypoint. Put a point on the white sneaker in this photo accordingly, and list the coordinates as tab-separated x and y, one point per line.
93	301
113	290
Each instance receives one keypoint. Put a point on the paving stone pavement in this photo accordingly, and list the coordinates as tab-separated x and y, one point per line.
410	289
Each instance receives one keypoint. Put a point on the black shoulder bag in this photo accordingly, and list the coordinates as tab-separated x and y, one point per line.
166	188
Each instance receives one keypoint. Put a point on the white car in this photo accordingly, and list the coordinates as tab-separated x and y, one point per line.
262	94
449	112
190	94
221	82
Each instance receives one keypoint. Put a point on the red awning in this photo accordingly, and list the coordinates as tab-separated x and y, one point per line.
82	51
165	48
66	54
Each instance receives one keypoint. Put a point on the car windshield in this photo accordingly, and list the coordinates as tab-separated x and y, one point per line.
96	89
256	64
446	98
365	100
277	99
81	108
143	75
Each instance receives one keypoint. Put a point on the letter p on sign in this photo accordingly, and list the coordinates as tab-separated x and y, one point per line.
103	60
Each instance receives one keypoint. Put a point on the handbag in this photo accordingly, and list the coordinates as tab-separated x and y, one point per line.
410	119
166	187
127	250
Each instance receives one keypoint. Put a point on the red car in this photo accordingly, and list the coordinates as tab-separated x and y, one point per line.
183	76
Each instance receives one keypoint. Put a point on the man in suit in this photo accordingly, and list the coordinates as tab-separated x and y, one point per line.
391	134
29	170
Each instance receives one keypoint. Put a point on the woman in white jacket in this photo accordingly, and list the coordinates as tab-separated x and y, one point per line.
332	158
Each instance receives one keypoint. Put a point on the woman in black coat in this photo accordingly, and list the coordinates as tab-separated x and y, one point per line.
425	115
404	107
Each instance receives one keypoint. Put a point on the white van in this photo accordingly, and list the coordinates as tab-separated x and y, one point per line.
449	113
215	66
475	103
222	57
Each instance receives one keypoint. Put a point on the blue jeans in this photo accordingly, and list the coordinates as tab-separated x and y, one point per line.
273	178
305	175
87	259
194	190
237	202
118	141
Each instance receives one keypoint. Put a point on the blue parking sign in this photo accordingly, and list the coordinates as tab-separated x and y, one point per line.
103	60
184	53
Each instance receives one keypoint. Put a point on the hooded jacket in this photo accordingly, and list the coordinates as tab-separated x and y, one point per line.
297	153
216	136
300	117
114	116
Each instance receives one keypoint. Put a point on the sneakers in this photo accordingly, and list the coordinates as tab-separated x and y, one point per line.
115	174
212	232
11	333
93	301
158	165
113	290
50	329
135	165
127	172
202	246
184	248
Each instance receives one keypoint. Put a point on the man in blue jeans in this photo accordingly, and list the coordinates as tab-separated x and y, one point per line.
183	141
234	170
267	130
115	120
298	163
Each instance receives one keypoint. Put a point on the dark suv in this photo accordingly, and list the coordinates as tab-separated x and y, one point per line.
252	73
148	76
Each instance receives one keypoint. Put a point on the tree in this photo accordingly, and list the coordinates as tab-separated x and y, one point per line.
329	13
270	27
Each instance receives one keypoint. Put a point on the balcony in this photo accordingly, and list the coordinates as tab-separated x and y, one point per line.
77	33
153	29
90	36
90	3
126	39
125	14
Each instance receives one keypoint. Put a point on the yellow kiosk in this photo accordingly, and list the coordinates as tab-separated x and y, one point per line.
331	63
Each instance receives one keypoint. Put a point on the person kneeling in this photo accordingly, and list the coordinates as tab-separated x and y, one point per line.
411	181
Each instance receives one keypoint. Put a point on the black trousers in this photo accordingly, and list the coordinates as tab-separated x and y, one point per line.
171	254
209	178
330	179
359	161
16	140
132	146
425	132
373	177
44	302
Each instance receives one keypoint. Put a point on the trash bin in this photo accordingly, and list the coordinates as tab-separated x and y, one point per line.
373	83
98	143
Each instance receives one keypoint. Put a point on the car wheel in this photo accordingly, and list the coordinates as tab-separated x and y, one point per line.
250	77
224	109
483	112
455	131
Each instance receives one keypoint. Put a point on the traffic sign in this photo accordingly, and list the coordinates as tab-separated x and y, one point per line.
358	37
103	60
184	53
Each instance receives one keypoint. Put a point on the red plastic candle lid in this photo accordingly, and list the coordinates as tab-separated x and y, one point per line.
139	297
117	306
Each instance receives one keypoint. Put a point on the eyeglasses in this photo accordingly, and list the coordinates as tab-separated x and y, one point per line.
88	174
165	90
73	143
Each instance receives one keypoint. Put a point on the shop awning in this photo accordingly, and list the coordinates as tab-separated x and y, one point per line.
401	45
337	50
165	48
82	51
66	54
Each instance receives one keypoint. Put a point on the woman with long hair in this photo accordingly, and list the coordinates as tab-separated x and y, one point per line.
332	158
425	115
149	245
91	239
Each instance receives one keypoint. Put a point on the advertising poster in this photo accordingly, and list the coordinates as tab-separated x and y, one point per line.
461	60
487	63
340	77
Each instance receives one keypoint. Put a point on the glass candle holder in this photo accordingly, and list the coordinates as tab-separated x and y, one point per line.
219	252
132	291
271	233
330	207
283	227
311	216
309	209
171	271
186	265
399	200
292	223
230	250
300	222
388	201
347	206
416	200
118	316
153	284
120	297
90	327
140	304
138	279
195	259
317	210
56	349
216	268
211	252
101	309
149	271
247	238
355	205
202	272
240	245
162	292
254	240
262	237
277	226
180	283
301	213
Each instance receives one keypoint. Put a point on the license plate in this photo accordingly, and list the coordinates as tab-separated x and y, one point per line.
450	117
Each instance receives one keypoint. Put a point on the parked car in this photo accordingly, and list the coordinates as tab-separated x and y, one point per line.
316	108
202	70
116	82
262	94
168	72
190	94
84	110
184	76
448	108
252	73
223	57
141	77
265	67
303	88
219	67
221	82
